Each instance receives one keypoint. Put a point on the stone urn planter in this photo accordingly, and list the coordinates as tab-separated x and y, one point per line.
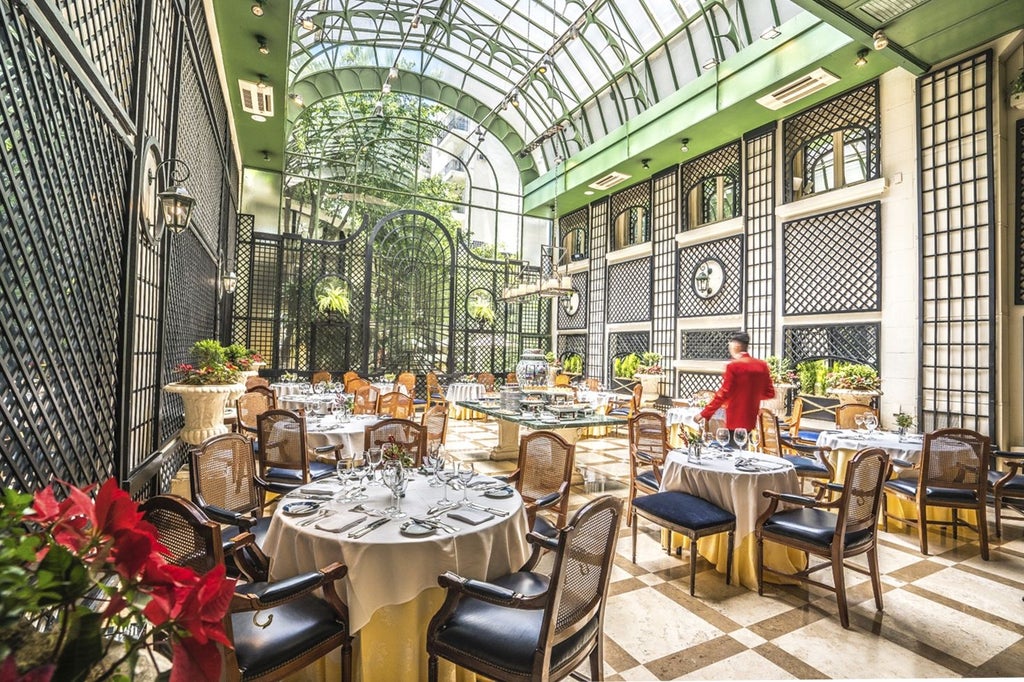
204	409
848	396
651	384
777	405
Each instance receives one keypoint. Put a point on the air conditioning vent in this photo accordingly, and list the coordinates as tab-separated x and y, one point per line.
802	87
609	180
884	11
256	98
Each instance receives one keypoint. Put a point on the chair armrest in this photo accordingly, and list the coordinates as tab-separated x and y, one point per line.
801	500
328	448
512	477
266	595
222	515
901	463
490	593
802	447
547	501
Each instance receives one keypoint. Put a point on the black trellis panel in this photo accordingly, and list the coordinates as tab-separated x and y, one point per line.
705	344
572	344
578	320
107	32
574	234
664	222
596	323
1018	226
63	183
629	291
635	196
728	252
621	344
855	108
832	263
958	267
722	161
759	209
688	383
858	343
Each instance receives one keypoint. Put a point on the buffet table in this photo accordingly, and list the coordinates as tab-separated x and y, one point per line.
391	587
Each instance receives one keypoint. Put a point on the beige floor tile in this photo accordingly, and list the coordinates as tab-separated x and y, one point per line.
747	665
650	626
987	595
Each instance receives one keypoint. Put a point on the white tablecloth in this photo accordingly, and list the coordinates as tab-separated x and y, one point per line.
718	481
386	568
683	415
290	388
304	401
385	387
597	399
333	430
464	391
847	442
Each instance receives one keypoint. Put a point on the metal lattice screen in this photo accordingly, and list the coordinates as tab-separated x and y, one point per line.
854	109
63	182
629	291
832	263
705	344
577	319
958	327
858	343
664	222
688	383
572	344
595	325
728	254
724	161
759	209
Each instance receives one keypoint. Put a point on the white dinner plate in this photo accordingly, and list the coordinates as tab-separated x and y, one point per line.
304	508
416	530
499	493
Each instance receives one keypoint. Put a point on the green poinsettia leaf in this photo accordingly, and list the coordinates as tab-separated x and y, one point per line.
84	647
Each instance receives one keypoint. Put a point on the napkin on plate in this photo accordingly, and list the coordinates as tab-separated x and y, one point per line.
471	516
319	489
335	524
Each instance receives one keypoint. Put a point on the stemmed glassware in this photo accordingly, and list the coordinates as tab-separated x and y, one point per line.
465	471
374	458
870	423
858	420
432	461
357	473
740	436
755	440
707	437
722	438
445	473
395	478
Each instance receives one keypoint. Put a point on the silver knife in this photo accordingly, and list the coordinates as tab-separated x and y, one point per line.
366	529
489	510
351	524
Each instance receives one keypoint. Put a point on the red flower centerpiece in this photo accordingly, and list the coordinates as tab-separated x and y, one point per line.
85	589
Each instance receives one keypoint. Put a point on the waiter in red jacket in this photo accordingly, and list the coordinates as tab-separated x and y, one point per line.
746	383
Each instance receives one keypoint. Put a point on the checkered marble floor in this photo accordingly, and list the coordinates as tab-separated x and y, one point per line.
946	615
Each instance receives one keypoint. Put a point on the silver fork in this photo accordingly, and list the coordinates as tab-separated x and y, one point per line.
314	518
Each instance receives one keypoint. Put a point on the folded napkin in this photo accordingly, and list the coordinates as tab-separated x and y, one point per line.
471	516
319	489
336	524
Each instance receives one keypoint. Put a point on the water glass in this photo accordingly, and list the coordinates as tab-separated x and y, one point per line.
858	420
740	436
445	473
722	438
870	422
395	478
755	440
358	474
431	461
465	471
373	456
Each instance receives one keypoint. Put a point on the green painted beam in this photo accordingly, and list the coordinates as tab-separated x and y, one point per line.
715	109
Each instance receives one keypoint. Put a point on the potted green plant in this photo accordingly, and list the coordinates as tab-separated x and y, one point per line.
204	388
784	379
481	309
334	299
853	383
904	422
650	374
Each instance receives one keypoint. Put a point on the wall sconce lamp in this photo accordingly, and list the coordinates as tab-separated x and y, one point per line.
257	8
702	281
175	202
392	73
416	21
684	144
880	40
229	281
261	43
862	58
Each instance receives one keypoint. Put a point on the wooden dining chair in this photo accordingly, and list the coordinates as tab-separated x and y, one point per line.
347	379
282	454
275	628
487	379
834	530
952	473
792	424
249	406
846	414
366	400
809	461
252	382
1007	486
319	376
395	404
409	435
648	447
436	422
435	394
592	384
542	476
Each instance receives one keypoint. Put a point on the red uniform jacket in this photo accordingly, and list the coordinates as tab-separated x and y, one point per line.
747	381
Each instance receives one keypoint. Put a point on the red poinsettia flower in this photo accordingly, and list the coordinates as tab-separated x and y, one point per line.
9	672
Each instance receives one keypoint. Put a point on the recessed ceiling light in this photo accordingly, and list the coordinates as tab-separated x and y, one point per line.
258	118
261	42
588	192
257	8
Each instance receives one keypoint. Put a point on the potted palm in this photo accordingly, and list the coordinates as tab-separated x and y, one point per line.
334	299
204	388
784	379
650	374
481	309
853	383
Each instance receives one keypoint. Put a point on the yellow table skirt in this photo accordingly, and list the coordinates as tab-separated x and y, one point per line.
391	647
715	549
908	510
457	412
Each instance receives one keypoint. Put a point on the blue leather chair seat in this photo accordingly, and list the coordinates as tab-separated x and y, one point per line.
619	412
419	401
812	436
544	527
909	488
317	470
648	479
806	465
815	526
297	627
476	626
683	509
1015	484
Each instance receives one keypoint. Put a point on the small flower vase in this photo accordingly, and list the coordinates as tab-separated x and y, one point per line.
902	432
693	453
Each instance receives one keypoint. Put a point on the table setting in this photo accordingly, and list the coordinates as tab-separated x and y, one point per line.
845	443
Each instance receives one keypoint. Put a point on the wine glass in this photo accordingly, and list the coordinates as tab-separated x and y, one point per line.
394	477
358	473
740	436
465	472
755	440
870	423
374	458
722	438
706	437
858	420
431	461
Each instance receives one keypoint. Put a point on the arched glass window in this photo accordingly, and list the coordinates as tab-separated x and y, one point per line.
574	245
712	199
835	159
630	227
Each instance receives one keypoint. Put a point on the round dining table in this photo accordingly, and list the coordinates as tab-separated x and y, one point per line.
464	392
391	587
737	488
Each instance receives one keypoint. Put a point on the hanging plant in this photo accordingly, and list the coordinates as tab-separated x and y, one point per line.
481	309
334	298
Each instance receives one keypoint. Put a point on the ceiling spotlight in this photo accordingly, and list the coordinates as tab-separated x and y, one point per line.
262	42
262	84
684	144
480	135
646	163
514	100
880	40
297	98
259	118
386	88
307	23
392	73
862	58
589	192
266	155
378	110
709	64
416	21
771	33
257	8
